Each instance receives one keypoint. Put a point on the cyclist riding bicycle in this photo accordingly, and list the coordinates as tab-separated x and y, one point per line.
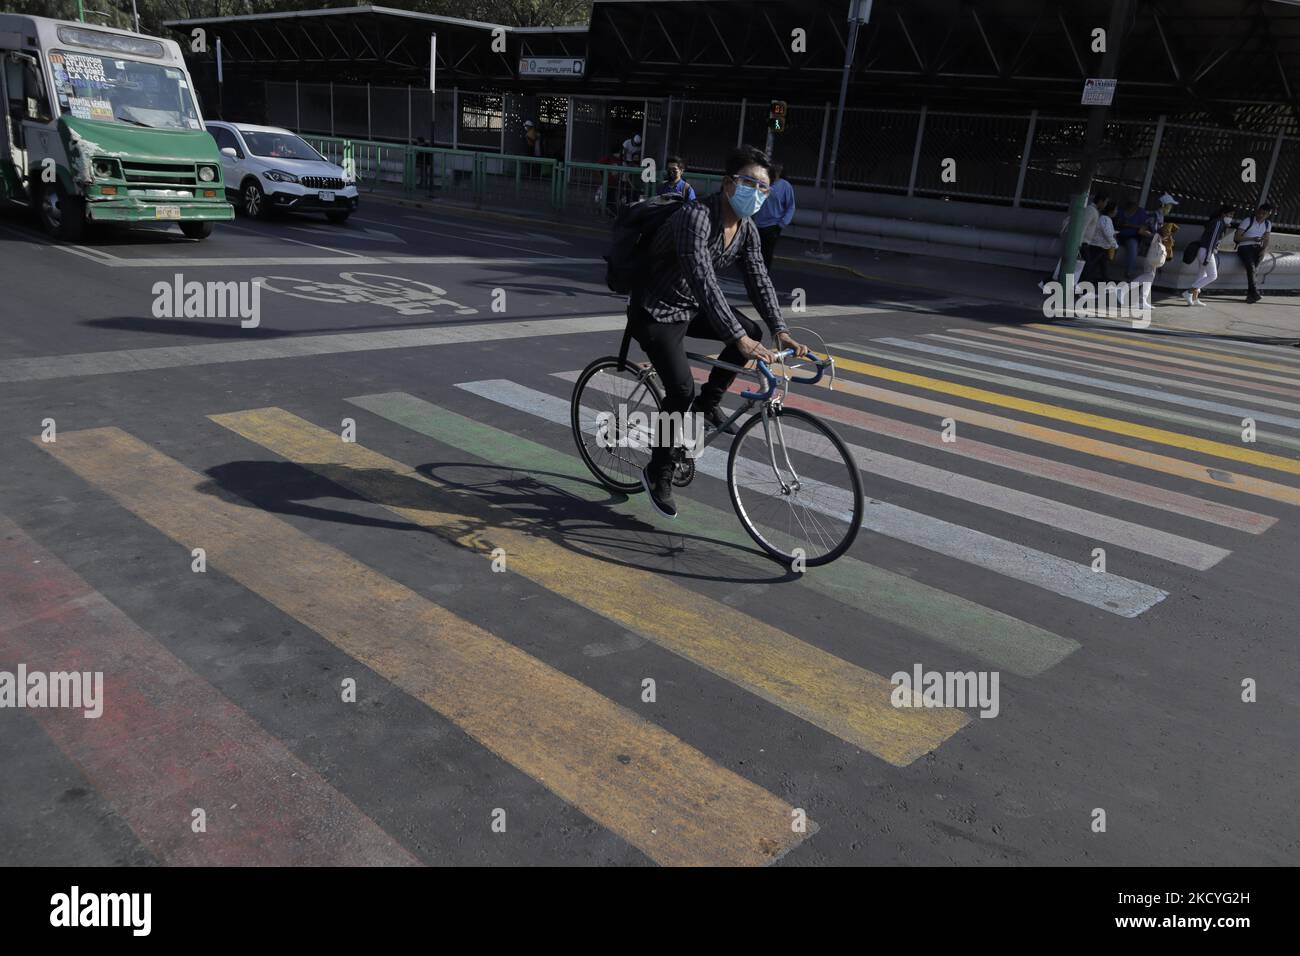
681	297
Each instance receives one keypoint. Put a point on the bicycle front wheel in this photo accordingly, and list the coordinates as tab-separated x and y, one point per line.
795	487
610	414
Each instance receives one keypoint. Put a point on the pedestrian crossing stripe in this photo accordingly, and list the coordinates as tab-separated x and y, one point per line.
839	697
1152	496
1234	413
1131	429
1165	347
274	811
1054	514
1084	358
986	376
947	619
1109	592
638	781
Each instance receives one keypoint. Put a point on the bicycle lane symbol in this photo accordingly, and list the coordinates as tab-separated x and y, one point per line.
402	295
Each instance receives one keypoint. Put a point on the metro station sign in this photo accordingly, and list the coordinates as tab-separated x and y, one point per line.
552	66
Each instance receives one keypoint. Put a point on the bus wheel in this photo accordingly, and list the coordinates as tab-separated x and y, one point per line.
62	216
196	230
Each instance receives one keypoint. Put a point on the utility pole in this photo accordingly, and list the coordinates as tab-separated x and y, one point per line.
859	13
1097	116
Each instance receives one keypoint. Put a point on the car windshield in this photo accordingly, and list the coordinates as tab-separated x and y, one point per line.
279	146
125	91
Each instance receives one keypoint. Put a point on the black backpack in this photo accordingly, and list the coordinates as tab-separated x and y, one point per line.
628	259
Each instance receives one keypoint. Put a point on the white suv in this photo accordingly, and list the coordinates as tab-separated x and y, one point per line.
268	169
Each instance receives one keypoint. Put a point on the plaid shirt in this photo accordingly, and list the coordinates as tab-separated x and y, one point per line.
686	258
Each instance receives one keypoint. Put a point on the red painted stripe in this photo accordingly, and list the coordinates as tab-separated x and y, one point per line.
167	741
1152	495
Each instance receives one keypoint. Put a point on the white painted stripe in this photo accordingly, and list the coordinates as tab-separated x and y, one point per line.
1152	496
1105	385
349	259
1111	405
297	346
179	356
1201	340
1110	592
1054	514
1168	380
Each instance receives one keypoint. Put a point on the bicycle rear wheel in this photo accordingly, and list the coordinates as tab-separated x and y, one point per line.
795	487
604	412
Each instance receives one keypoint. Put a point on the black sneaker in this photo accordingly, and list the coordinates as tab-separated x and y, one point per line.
660	489
713	420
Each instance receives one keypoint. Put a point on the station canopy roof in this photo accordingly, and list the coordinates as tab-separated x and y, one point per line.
377	44
1231	62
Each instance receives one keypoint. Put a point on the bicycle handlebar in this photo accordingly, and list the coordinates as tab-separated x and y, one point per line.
771	380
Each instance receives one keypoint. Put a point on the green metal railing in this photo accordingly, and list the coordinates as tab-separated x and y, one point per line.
528	184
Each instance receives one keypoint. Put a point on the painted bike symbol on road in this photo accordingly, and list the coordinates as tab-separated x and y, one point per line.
404	296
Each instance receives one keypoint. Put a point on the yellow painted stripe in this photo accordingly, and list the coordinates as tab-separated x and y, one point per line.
1178	349
1159	435
640	782
1247	484
835	695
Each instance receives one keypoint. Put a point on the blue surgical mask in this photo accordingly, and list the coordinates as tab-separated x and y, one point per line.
746	201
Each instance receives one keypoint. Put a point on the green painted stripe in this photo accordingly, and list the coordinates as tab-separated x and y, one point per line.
948	619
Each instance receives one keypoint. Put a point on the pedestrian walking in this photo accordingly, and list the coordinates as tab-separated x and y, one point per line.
1158	253
675	180
1091	213
1252	236
777	214
1099	248
1206	253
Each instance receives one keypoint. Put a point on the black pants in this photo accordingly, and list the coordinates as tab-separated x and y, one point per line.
767	237
1249	256
665	346
1096	260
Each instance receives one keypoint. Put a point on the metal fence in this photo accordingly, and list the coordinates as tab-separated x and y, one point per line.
1016	159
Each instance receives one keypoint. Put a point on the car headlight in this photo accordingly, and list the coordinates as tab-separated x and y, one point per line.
278	176
106	169
207	174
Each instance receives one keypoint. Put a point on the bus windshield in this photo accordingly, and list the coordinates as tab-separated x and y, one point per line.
109	89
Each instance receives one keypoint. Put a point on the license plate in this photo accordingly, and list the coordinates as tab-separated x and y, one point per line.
327	197
167	212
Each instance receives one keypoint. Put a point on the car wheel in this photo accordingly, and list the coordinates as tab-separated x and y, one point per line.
252	200
196	230
62	216
338	218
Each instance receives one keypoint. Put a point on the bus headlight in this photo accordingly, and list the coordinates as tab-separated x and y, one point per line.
207	174
106	169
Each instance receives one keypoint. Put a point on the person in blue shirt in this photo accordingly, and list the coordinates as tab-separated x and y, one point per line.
674	171
776	214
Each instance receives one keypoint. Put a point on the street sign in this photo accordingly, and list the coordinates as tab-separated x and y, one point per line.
537	66
1098	92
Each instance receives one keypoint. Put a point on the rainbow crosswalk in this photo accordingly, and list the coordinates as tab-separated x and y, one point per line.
1019	502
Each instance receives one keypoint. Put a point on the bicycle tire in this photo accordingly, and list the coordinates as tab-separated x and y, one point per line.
628	481
853	479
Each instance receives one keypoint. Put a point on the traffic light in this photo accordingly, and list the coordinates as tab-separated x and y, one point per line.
776	118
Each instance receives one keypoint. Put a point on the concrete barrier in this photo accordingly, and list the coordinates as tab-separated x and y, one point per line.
1022	238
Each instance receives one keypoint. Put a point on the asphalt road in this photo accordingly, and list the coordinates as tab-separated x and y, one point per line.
501	716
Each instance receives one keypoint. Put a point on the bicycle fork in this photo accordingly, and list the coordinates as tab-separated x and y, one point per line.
770	424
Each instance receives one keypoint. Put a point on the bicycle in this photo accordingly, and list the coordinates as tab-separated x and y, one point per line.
810	512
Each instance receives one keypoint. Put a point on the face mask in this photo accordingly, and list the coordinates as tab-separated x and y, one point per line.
746	201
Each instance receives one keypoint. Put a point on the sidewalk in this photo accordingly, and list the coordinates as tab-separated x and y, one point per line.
1276	318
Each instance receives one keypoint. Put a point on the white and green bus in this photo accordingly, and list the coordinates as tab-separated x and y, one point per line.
102	125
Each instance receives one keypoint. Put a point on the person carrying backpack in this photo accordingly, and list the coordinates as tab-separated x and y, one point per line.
668	253
1252	237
